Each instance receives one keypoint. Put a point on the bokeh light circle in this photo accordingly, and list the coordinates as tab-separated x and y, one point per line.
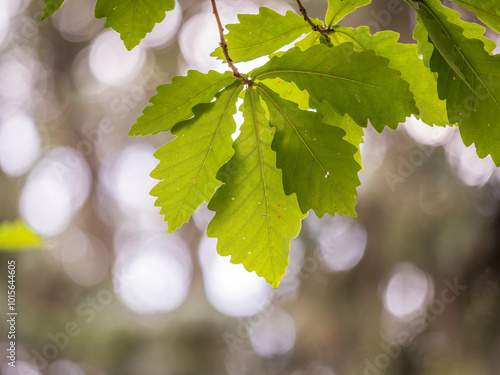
153	276
408	291
275	335
229	287
19	144
111	63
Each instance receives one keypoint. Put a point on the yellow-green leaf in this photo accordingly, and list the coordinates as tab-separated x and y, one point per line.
487	11
174	101
338	9
189	164
133	19
261	34
357	83
254	219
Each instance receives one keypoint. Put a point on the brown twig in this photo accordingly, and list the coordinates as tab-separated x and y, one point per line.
306	17
322	30
223	45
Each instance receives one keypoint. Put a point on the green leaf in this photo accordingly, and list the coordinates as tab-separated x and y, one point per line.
189	164
468	76
17	236
338	9
308	41
133	19
404	58
254	219
50	7
353	132
470	30
358	83
290	91
261	34
174	102
317	164
487	11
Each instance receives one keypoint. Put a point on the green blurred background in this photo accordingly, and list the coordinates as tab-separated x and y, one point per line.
409	287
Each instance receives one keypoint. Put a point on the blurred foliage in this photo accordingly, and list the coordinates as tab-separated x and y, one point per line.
17	236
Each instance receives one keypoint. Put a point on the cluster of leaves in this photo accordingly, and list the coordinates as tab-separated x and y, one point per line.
304	114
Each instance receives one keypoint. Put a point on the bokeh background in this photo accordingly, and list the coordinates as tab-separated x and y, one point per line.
409	287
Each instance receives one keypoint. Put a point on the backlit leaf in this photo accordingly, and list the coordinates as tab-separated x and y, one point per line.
290	91
353	132
317	164
358	83
308	41
402	57
189	164
174	101
132	19
261	34
254	219
487	11
338	9
468	76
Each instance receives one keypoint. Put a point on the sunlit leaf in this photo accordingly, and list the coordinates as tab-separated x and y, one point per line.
174	101
468	76
402	57
262	34
338	9
353	132
317	164
358	83
308	41
50	7
132	19
487	11
189	164
254	219
290	91
16	235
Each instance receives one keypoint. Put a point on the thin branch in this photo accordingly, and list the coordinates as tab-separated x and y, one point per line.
323	31
223	45
306	17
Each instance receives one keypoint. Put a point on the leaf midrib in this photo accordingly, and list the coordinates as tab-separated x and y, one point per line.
183	105
261	160
457	48
334	18
306	146
209	150
269	40
332	77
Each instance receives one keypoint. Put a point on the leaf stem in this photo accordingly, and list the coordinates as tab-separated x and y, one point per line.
223	45
411	5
